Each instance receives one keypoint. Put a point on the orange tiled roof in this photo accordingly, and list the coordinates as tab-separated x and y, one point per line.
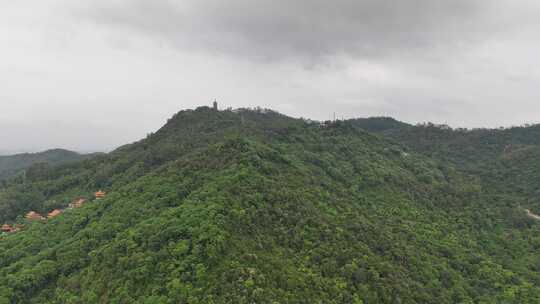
54	213
77	203
32	215
7	228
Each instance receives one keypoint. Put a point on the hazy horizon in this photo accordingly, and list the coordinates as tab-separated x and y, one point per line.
339	116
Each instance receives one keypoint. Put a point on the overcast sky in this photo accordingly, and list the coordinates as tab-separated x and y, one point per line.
93	75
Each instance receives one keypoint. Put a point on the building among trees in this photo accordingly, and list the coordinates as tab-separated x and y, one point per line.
7	228
34	216
100	194
54	213
78	203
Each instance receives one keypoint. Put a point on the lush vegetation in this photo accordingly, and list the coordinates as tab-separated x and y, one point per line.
14	164
251	206
506	161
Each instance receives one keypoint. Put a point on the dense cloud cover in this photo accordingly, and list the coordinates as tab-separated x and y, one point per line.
95	74
274	30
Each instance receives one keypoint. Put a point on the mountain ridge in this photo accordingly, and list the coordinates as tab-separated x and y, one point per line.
252	206
11	165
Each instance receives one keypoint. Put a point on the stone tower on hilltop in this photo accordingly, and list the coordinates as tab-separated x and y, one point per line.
215	105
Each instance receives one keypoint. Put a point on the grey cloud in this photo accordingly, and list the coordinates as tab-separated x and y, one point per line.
291	29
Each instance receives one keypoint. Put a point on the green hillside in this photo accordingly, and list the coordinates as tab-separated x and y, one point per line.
251	206
505	160
465	148
14	164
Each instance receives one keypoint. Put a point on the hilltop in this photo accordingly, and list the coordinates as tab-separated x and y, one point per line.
252	206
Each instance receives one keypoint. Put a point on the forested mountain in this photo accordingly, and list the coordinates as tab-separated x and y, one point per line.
505	160
12	164
251	206
464	148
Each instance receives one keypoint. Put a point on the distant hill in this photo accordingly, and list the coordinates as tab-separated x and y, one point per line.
468	149
505	161
378	124
252	206
13	164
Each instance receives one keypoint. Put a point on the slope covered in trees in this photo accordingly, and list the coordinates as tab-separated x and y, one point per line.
464	148
506	161
252	206
10	165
